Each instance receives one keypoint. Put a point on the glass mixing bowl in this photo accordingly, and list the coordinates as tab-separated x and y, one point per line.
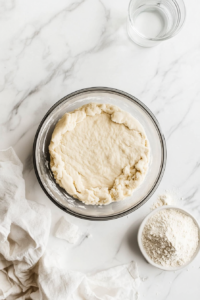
126	102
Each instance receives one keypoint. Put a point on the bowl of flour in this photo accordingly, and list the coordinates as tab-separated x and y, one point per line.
169	238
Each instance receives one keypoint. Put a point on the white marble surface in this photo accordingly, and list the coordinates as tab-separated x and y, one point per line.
51	48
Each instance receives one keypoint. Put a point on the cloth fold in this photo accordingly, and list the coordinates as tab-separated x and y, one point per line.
25	271
24	230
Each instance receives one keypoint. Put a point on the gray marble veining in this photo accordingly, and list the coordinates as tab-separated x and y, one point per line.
51	48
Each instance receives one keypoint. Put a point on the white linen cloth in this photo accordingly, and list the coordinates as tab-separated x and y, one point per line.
24	230
25	273
67	231
118	283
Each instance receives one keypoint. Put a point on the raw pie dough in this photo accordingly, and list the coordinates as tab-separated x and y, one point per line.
99	153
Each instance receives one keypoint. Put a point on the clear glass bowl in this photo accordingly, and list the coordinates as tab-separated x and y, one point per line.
127	103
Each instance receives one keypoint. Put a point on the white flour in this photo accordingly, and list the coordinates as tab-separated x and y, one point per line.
164	199
170	238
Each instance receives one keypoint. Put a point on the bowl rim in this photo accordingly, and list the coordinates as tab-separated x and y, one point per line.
161	137
140	230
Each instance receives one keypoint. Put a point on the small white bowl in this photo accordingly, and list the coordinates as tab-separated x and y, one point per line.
139	237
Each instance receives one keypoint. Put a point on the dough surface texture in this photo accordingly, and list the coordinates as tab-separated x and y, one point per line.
99	153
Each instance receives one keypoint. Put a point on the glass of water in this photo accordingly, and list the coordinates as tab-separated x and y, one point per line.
152	21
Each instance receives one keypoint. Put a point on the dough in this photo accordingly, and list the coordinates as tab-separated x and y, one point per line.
99	153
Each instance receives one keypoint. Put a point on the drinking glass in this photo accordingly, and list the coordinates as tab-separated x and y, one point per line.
152	21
